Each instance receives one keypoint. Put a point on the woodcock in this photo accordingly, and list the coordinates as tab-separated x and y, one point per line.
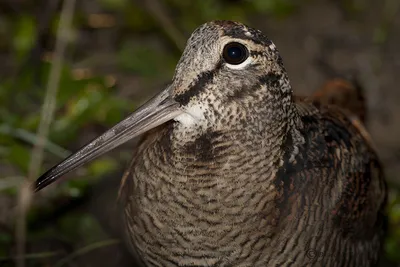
233	170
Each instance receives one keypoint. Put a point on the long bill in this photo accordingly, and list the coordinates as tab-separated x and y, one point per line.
155	112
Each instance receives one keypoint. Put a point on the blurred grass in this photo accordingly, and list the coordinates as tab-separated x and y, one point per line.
113	43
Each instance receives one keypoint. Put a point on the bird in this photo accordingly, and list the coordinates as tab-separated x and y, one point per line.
346	93
232	169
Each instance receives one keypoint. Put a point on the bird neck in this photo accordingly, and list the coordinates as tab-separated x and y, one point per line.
256	139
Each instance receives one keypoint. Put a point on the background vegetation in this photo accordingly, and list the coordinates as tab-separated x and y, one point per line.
120	52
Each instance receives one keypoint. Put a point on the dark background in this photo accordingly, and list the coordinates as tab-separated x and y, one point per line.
121	52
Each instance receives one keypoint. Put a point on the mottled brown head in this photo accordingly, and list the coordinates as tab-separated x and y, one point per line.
229	78
229	69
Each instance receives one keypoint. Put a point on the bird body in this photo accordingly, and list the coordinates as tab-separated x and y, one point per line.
235	171
219	200
345	93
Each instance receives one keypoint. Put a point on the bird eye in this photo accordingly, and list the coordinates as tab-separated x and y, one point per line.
235	53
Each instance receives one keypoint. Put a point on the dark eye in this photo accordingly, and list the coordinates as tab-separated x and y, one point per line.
235	53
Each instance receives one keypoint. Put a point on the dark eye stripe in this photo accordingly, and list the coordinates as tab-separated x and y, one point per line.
203	79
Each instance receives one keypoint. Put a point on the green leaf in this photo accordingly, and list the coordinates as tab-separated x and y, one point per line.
102	166
24	37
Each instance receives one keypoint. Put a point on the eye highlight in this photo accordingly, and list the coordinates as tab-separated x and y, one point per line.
235	53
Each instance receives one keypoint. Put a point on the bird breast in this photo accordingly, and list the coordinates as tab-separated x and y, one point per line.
202	197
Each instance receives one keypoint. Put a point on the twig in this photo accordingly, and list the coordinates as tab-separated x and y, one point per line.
31	138
49	105
85	250
47	112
